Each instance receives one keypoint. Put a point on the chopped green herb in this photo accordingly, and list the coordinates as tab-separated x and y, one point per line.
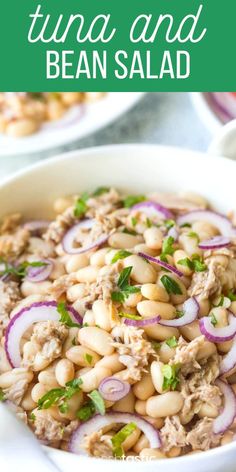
232	296
88	358
196	264
32	417
100	191
98	402
170	373
134	221
192	234
81	205
95	404
172	342
220	303
156	346
163	258
130	316
125	288
171	285
60	396
129	231
86	411
169	223
213	320
21	270
74	342
122	254
167	246
132	200
2	396
118	439
148	223
65	317
179	313
185	225
123	280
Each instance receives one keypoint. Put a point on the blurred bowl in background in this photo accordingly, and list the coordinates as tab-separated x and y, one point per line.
215	108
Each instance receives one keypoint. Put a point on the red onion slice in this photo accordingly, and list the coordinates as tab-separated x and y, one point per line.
70	237
229	360
38	274
190	310
218	335
173	233
161	264
220	222
41	311
152	209
113	389
36	226
215	243
227	416
143	322
98	422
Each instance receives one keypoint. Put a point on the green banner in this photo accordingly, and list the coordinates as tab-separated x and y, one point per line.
103	45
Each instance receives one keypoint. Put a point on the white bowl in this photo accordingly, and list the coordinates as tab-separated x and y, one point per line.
134	168
77	123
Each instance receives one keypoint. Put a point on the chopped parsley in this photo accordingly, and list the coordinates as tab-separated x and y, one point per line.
125	288
94	405
119	438
171	285
170	374
100	191
213	320
179	313
60	396
32	417
172	342
156	346
81	205
130	316
195	264
129	231
169	223
122	254
232	296
86	411
98	402
21	269
148	223
192	234
88	358
65	317
2	395
132	200
167	246
185	225
134	221
220	303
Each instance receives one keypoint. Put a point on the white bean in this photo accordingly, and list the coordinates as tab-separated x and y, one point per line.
102	314
96	339
87	274
149	308
82	356
64	371
92	379
153	237
142	272
167	404
76	262
154	292
31	288
144	388
123	240
98	258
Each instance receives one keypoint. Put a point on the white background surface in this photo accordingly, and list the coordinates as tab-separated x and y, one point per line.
162	118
